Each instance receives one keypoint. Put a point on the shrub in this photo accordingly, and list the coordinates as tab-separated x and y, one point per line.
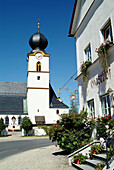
101	131
26	124
2	125
69	132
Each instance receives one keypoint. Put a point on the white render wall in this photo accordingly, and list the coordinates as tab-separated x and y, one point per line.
32	63
33	82
38	102
89	30
94	90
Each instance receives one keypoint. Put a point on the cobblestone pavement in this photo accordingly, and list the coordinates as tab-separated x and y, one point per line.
45	158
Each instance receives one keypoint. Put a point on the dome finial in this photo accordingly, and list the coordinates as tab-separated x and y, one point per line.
38	25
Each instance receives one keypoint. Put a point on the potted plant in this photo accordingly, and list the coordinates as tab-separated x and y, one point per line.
102	53
79	159
96	149
84	68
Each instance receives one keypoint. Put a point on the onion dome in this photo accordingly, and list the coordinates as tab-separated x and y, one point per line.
38	41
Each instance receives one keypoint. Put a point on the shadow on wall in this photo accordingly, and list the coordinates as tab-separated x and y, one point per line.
91	13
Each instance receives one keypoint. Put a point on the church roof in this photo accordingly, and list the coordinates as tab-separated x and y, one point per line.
12	95
13	88
53	102
38	41
12	104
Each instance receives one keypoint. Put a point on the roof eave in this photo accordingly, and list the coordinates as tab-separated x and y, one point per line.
74	19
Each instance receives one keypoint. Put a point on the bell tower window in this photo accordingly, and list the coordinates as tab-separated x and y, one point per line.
38	66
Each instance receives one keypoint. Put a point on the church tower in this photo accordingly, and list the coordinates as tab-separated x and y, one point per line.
38	78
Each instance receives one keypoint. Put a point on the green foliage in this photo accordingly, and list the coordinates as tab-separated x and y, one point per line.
100	166
96	148
73	107
2	125
111	123
79	157
84	68
69	133
102	53
111	152
26	124
101	131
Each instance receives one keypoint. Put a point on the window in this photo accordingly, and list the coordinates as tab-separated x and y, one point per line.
25	105
105	105
88	53
6	120
19	120
38	66
91	108
57	111
107	32
38	77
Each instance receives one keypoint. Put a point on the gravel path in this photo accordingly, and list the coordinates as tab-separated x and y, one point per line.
45	158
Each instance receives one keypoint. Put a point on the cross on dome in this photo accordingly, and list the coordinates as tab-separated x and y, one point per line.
38	25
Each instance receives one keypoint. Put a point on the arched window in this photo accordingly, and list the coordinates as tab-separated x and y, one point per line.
19	120
38	66
7	120
57	111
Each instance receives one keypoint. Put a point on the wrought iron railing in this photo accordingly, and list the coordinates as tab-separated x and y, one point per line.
108	144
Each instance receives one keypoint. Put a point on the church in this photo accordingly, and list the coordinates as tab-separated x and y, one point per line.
36	98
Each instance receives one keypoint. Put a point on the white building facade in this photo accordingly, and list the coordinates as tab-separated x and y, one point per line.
92	24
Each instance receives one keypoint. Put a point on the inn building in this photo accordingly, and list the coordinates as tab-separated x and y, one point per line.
92	24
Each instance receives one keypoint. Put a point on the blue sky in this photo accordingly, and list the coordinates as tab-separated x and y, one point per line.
18	22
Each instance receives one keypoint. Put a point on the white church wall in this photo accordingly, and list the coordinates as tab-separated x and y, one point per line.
52	115
38	102
33	60
45	64
33	81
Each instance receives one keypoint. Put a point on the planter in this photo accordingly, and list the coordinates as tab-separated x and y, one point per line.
94	152
77	161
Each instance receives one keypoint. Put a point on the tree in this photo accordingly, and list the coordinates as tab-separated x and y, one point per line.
26	124
73	107
2	125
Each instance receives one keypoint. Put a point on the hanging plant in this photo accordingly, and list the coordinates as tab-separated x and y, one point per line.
102	53
84	68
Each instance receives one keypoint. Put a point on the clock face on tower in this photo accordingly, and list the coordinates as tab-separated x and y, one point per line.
38	56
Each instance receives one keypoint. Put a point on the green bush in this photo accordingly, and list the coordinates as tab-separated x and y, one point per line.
67	132
2	125
26	124
101	131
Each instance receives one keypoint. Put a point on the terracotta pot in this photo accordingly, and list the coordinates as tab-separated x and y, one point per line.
77	161
94	152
